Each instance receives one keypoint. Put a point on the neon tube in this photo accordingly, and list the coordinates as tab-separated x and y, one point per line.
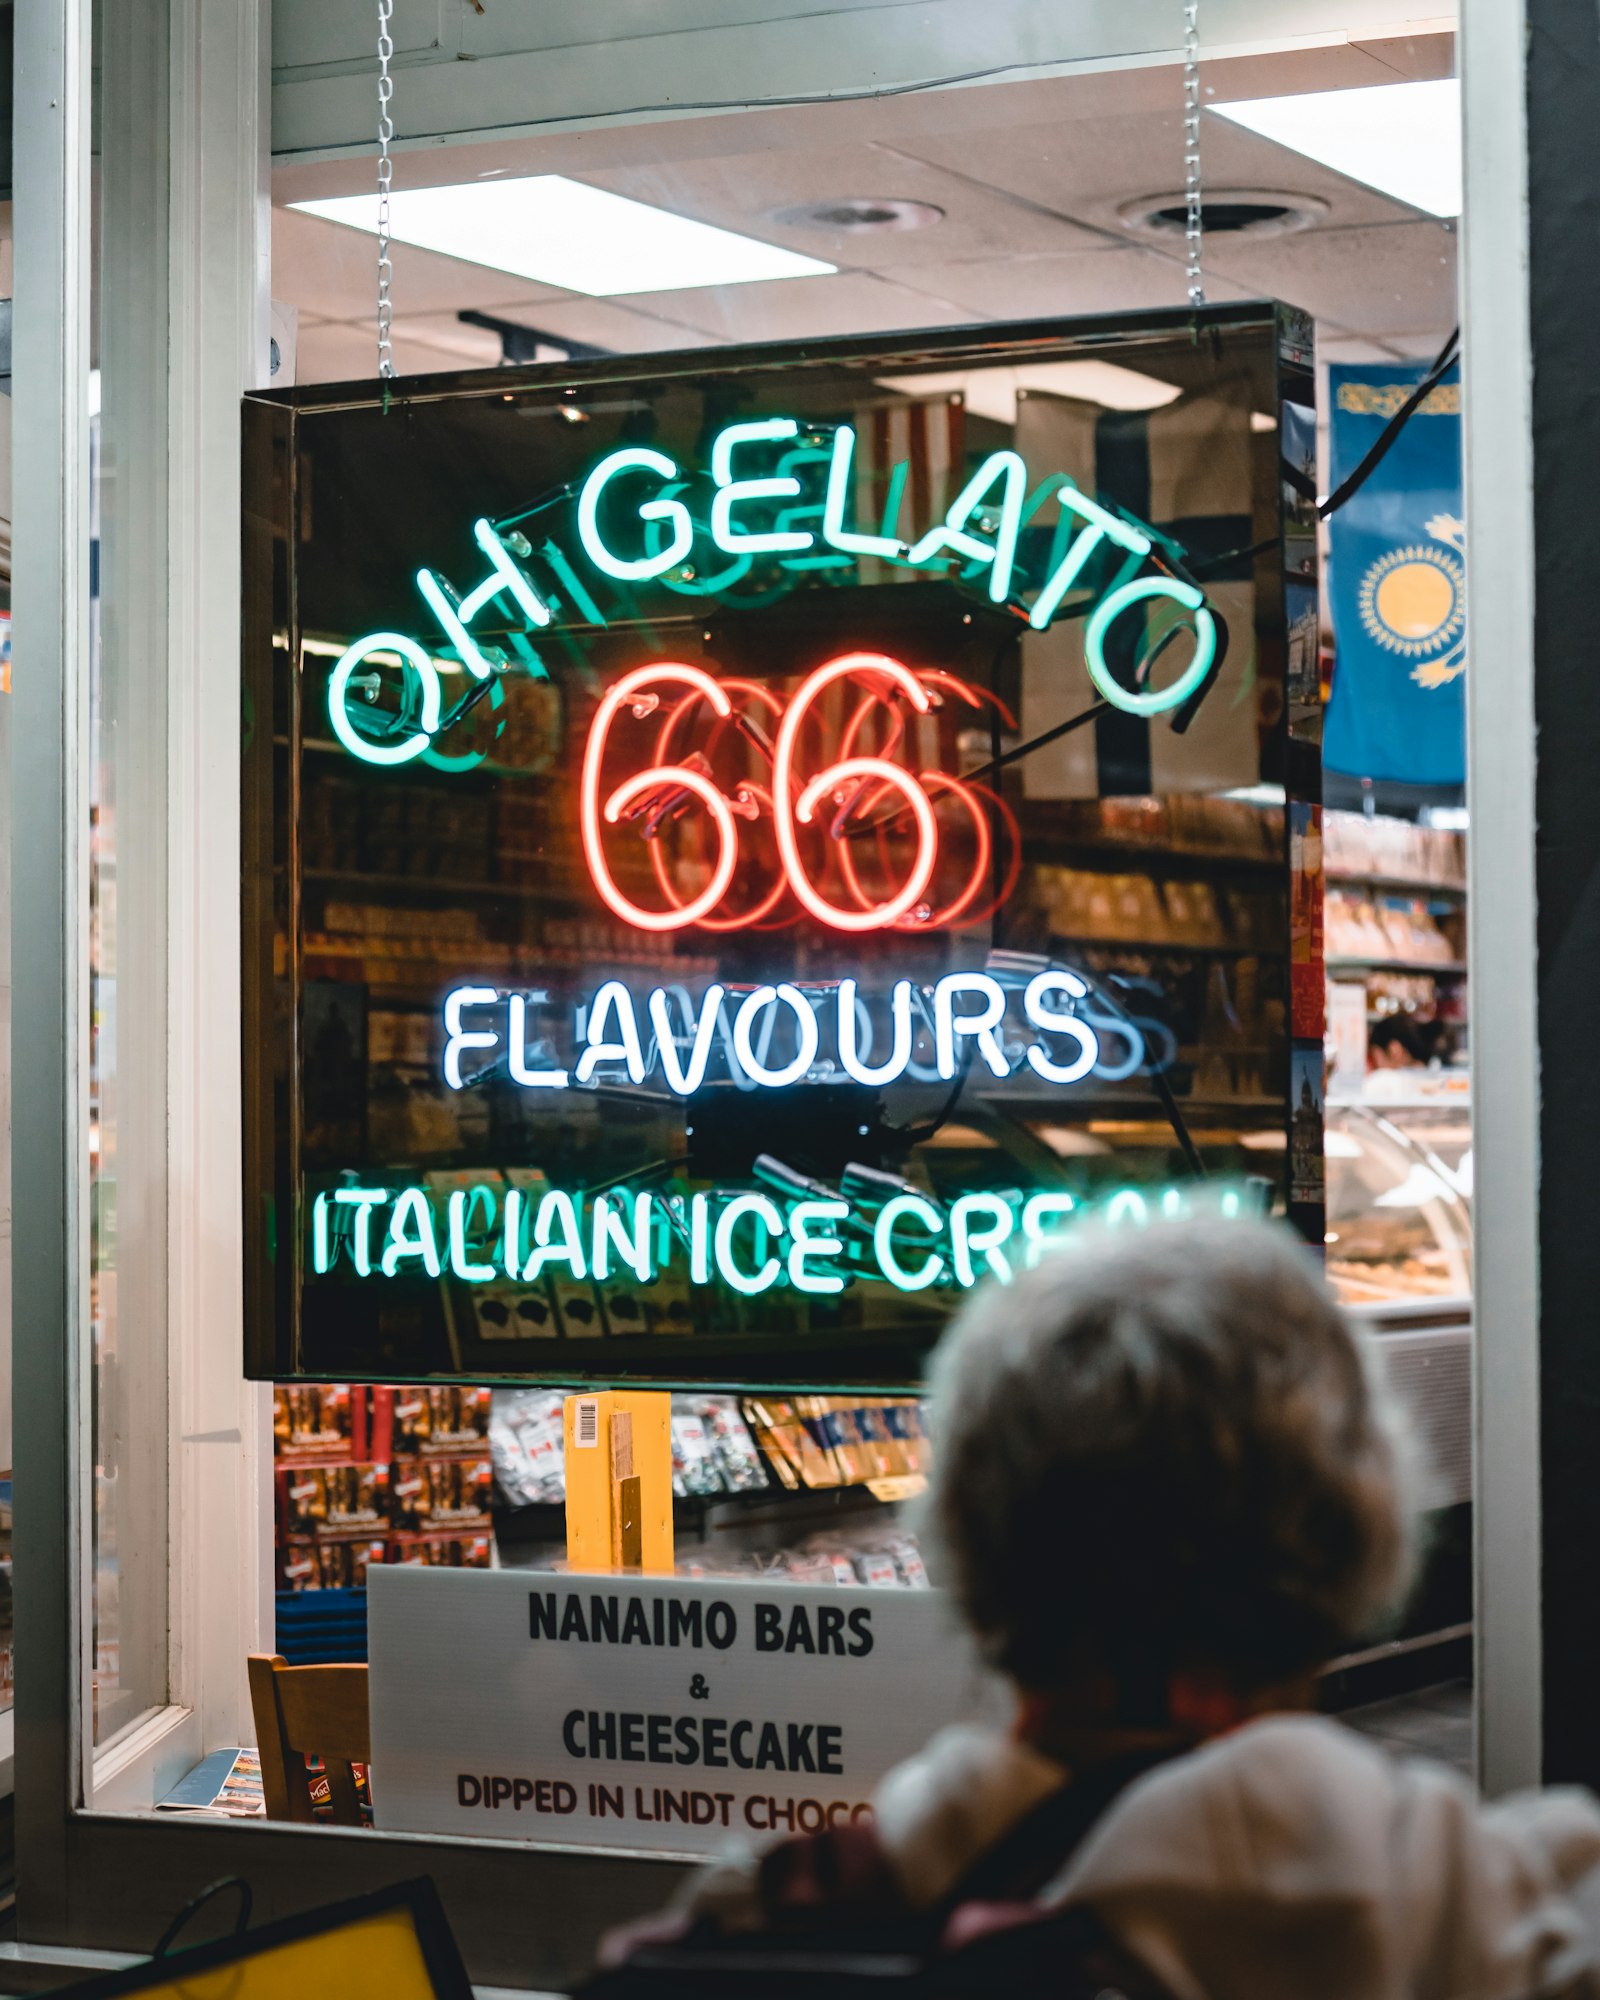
458	1038
749	797
803	1243
967	1235
849	1031
785	809
807	1034
589	798
363	1201
508	576
411	1208
1039	1059
1099	525
459	1210
961	903
411	655
931	1269
747	1282
1001	555
613	998
1038	1212
1122	599
685	1078
556	1237
608	1232
511	1235
840	464
636	458
979	1027
731	491
517	1047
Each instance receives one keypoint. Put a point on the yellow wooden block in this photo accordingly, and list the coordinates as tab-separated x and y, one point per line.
615	1437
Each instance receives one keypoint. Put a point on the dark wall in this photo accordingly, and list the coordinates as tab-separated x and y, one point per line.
1564	193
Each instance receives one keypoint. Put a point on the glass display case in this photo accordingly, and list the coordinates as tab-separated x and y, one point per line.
1399	1197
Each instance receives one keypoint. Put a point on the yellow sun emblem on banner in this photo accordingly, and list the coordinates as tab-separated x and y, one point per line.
1413	601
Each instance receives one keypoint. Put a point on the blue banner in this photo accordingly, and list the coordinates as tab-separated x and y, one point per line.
1398	583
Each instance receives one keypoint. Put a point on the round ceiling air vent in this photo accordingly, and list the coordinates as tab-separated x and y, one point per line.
1225	212
860	215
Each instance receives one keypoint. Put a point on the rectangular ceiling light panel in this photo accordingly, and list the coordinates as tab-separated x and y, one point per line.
1404	139
562	232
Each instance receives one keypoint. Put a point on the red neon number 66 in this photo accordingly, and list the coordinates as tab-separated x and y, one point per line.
851	783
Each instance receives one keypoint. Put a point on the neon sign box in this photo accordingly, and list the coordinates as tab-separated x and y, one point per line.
664	790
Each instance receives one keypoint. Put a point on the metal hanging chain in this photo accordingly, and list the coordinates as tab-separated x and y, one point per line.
1193	213
385	175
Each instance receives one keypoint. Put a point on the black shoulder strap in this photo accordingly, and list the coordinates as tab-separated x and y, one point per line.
1041	1843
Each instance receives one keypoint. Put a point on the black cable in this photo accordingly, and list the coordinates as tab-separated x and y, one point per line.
1176	1119
195	1903
1347	489
1038	742
916	1135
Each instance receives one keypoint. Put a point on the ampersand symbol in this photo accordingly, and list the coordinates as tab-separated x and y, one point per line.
698	1691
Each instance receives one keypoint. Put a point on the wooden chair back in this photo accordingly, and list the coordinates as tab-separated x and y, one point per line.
309	1712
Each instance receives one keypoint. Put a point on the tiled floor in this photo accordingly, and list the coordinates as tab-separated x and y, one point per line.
1433	1722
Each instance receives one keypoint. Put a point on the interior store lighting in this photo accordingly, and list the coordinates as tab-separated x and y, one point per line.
1404	139
992	392
563	232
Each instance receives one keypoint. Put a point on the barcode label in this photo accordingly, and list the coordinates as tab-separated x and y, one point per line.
586	1425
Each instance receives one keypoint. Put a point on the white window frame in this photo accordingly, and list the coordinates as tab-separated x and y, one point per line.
95	1868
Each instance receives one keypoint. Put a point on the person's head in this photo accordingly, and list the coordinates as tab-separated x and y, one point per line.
1162	1462
1399	1042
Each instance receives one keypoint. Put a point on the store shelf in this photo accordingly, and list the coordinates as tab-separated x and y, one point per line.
1126	854
417	771
1444	968
1392	885
1217	950
546	1521
438	885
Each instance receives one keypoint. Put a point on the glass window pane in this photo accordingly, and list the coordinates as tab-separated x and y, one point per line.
127	944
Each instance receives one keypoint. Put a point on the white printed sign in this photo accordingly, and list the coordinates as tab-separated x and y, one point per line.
661	1713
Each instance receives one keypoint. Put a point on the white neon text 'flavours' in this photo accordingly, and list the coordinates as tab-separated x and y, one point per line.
611	1032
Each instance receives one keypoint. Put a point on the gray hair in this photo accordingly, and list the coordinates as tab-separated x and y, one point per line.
1166	1447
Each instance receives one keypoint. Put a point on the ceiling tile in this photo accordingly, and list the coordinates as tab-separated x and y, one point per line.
605	323
348	352
1088	168
743	193
1423	58
807	308
1371	281
1092	281
1334	343
472	346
